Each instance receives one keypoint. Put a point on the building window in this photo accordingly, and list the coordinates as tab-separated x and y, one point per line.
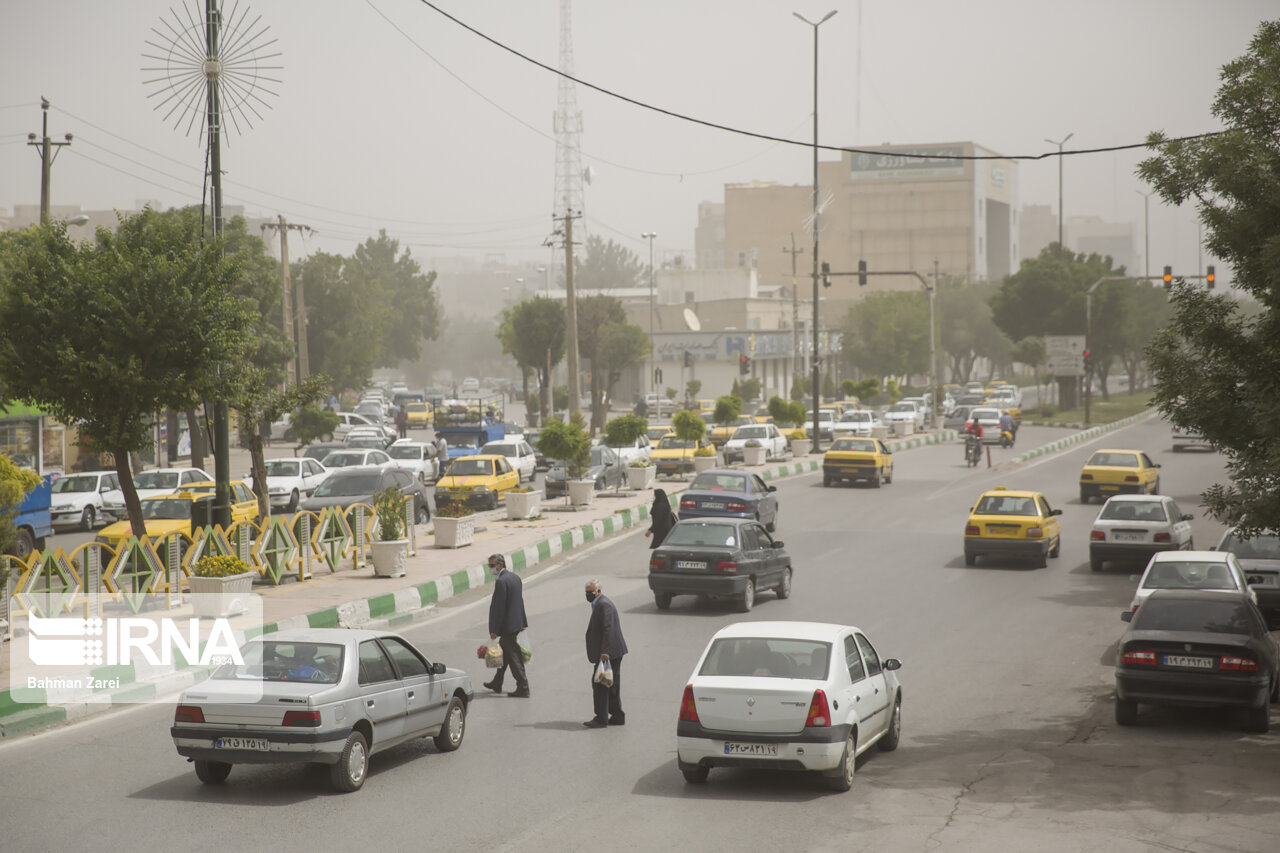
980	208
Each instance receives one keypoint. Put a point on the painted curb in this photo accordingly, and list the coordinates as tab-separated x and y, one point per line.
1076	438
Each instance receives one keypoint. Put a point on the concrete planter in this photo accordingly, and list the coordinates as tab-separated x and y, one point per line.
523	504
901	428
641	478
703	463
801	446
213	598
581	492
389	557
455	532
881	432
753	455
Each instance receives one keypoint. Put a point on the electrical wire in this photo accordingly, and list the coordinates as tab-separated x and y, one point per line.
780	139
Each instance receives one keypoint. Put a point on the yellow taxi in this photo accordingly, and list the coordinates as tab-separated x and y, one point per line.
656	433
477	481
165	514
762	415
720	433
419	414
1006	522
674	455
702	407
1115	472
856	459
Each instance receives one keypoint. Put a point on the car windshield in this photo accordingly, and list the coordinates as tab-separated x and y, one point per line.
1005	505
1117	510
1263	547
346	486
318	663
985	414
282	468
1187	574
709	482
166	508
769	657
703	533
470	468
318	452
902	407
64	485
1195	615
368	409
500	449
670	442
365	441
405	452
861	445
416	407
156	480
856	416
601	456
339	459
1118	460
750	432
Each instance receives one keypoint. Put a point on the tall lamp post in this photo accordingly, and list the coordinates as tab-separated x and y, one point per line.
1146	233
816	385
653	376
1060	144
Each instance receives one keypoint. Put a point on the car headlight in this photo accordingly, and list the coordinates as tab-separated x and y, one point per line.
481	488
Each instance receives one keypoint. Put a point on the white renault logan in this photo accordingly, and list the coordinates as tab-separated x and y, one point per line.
788	696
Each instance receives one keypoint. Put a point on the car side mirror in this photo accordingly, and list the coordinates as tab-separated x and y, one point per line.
1055	512
1126	616
892	664
777	543
1186	516
1157	464
773	488
437	668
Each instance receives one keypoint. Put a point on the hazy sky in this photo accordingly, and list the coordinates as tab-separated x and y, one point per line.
391	116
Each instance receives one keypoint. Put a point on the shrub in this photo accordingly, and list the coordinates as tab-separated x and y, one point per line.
453	509
704	451
780	411
688	426
642	462
220	566
569	443
624	430
389	505
728	409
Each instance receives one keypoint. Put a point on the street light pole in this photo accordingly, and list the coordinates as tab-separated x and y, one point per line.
653	376
816	386
1146	232
1060	144
48	152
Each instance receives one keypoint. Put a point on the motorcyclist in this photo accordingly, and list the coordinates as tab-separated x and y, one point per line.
1007	424
974	429
972	441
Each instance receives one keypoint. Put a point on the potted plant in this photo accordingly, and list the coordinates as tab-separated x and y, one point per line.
570	443
690	428
390	549
220	585
640	473
704	458
753	452
523	503
623	432
455	525
801	444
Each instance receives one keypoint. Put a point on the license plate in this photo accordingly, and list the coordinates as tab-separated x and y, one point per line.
690	564
1129	537
767	749
257	744
1109	488
712	505
1189	662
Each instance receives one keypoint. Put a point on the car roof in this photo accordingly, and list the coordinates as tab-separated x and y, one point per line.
785	630
1012	493
1143	499
487	456
1117	450
408	442
352	470
324	635
288	459
507	440
1187	557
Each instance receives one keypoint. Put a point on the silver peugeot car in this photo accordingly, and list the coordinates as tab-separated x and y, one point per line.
326	695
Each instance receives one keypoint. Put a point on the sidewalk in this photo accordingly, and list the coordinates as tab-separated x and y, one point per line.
356	598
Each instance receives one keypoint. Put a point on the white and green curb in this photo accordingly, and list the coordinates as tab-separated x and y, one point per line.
1077	437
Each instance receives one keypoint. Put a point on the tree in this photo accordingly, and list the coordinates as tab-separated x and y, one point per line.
749	389
342	337
606	266
167	328
537	341
1031	352
799	387
403	303
967	332
623	431
15	484
688	427
780	411
691	389
622	347
1215	366
887	333
728	410
568	442
594	313
828	386
1151	313
262	404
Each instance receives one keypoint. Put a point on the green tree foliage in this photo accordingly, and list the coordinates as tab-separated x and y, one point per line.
311	422
594	313
341	334
828	386
15	484
750	388
728	409
622	347
799	387
167	328
691	389
568	442
622	431
887	333
537	326
260	404
1214	365
780	411
606	266
966	330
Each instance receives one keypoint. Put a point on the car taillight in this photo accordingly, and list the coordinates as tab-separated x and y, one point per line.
188	714
1147	658
301	718
688	710
819	713
1098	535
1161	537
726	566
1035	532
1238	664
688	503
733	506
1132	478
1086	476
657	564
972	530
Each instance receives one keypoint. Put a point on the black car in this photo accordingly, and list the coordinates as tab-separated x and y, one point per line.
319	451
1197	647
721	558
604	469
1259	557
358	485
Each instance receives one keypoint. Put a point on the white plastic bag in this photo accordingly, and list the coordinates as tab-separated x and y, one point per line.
526	650
604	673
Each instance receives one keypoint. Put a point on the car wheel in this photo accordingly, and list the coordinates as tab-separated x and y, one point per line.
695	774
773	523
25	544
826	479
455	726
748	597
783	589
212	772
422	515
1057	549
889	742
970	559
662	600
1259	719
843	778
1042	560
353	764
1177	448
888	475
493	501
1084	496
1095	564
1126	712
293	502
875	480
86	518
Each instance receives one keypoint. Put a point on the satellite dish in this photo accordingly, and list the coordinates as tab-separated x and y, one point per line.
588	174
691	320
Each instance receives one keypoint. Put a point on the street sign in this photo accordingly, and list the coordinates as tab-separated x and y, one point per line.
1066	365
1066	354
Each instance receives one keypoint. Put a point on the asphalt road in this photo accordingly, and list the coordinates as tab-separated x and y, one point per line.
1008	744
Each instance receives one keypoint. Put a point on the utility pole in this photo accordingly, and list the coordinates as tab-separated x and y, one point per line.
1060	144
571	311
48	153
795	310
294	371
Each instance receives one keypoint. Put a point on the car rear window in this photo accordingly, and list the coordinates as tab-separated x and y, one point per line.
859	445
1264	547
1117	460
1005	505
719	483
767	658
318	663
470	468
703	533
1185	574
1133	511
1179	614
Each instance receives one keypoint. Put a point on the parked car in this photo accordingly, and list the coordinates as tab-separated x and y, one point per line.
331	696
291	480
81	500
1133	527
730	493
718	433
659	405
478	481
788	696
1209	570
768	436
856	459
358	485
319	451
1184	438
162	481
638	449
725	558
171	513
603	469
1192	647
373	437
354	457
1259	557
674	456
1110	472
520	455
855	423
1013	523
540	462
417	457
826	421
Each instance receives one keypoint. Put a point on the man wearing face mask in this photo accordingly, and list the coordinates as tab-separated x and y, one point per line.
506	620
605	643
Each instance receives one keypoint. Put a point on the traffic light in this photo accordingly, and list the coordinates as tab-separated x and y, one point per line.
744	365
862	273
826	274
1209	277
1168	276
1088	362
688	359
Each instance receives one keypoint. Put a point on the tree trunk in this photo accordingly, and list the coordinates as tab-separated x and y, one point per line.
545	396
597	398
1068	392
258	466
197	439
133	506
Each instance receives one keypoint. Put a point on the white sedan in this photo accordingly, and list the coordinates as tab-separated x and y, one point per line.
416	456
1211	570
788	696
81	500
855	423
291	480
1133	527
519	453
355	457
768	435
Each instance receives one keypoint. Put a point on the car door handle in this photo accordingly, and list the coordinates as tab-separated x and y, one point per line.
411	694
369	702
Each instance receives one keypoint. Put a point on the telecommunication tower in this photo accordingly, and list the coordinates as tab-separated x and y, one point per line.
568	128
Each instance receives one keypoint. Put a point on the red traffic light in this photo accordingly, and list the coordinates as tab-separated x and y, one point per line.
1086	353
1209	277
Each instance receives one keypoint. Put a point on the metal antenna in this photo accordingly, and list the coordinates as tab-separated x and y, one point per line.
568	128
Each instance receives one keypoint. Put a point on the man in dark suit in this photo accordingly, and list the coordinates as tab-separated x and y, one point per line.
605	643
506	621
